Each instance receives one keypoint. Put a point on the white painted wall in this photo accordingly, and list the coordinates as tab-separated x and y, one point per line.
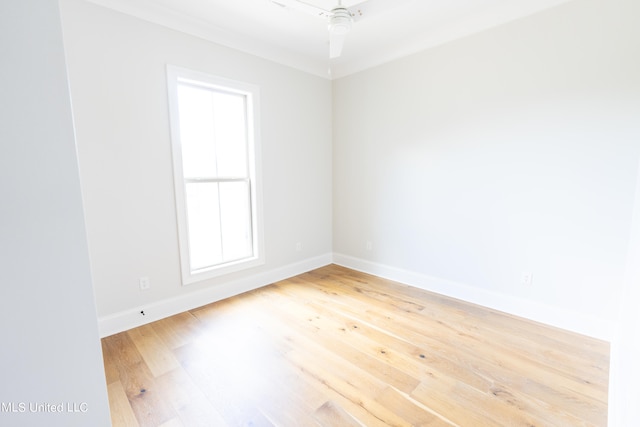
50	354
625	347
118	85
512	150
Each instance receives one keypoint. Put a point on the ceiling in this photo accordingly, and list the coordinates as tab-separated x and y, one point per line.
393	29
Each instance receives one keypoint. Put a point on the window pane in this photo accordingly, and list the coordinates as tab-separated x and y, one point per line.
213	133
219	223
230	134
197	132
203	212
236	220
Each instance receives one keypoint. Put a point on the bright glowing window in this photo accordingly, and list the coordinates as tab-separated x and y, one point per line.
214	127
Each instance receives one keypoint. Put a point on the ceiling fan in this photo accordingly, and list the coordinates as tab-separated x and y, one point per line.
339	18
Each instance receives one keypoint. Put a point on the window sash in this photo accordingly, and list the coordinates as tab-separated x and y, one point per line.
220	229
216	128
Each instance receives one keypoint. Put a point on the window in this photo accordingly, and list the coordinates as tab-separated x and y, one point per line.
214	136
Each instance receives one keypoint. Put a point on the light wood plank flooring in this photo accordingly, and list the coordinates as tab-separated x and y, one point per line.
334	347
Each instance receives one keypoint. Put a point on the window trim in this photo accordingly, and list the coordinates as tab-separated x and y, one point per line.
175	75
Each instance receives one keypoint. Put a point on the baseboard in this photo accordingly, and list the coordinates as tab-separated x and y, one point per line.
125	320
553	316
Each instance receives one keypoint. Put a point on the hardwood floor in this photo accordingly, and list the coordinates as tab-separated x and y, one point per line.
334	347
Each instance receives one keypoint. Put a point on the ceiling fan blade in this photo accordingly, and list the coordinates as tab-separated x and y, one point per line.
369	8
336	42
302	7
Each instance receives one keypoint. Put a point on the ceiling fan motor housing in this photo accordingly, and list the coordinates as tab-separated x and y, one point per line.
340	21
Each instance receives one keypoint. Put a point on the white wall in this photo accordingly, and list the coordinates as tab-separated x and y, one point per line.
50	352
625	347
509	151
118	85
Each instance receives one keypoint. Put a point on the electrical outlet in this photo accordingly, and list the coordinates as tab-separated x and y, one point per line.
369	245
298	247
145	283
526	279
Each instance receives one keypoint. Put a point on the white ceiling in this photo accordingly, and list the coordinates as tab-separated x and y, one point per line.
300	40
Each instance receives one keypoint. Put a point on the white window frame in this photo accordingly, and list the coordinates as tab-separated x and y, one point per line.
174	76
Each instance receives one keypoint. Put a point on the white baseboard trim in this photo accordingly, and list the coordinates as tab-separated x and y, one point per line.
553	316
549	315
128	319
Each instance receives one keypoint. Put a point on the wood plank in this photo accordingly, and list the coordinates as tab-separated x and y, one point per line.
411	410
188	400
178	330
158	358
229	390
110	367
145	398
121	413
137	381
330	414
174	422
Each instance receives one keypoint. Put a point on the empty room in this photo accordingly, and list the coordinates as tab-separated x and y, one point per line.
322	213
